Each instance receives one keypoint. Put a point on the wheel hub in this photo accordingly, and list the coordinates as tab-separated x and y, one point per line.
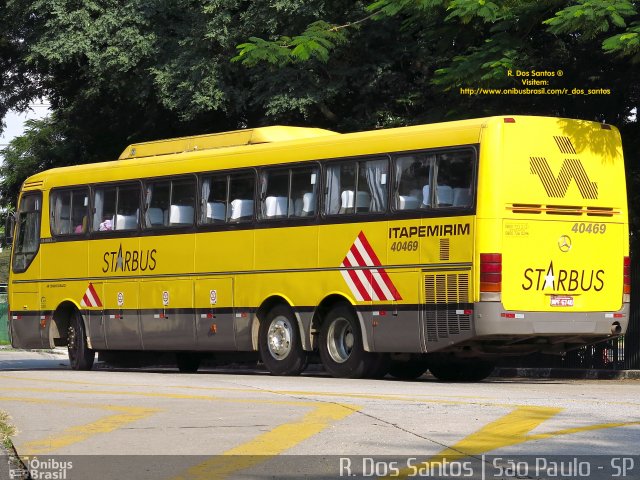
340	340
279	338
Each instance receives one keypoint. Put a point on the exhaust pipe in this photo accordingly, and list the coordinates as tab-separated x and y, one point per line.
616	329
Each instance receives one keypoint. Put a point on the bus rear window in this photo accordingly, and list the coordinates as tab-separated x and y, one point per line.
27	239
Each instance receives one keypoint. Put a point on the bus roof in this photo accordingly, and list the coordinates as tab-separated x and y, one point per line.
234	138
235	149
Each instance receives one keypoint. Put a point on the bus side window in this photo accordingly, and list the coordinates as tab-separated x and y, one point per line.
241	197
213	200
156	203
413	177
69	211
104	208
373	179
274	193
357	187
303	196
453	179
128	207
181	211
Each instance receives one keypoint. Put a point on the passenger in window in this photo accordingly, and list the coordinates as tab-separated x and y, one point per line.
106	225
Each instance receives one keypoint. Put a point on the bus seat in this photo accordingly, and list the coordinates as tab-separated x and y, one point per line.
155	217
241	208
408	202
362	201
445	195
181	215
126	222
462	196
426	197
275	206
216	211
308	204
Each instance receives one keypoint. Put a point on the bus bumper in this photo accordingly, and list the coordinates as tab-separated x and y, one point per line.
505	331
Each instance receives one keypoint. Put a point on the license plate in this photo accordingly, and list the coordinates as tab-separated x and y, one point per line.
561	301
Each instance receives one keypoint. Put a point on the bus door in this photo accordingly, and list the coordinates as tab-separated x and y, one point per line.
24	290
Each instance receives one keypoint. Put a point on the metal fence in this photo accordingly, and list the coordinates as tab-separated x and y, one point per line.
619	354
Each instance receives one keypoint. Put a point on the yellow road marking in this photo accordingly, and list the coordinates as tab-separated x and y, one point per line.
81	432
269	444
484	400
510	429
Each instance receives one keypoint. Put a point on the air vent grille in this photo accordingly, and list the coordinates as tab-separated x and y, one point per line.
447	309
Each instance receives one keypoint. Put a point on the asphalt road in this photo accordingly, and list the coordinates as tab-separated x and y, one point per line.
246	424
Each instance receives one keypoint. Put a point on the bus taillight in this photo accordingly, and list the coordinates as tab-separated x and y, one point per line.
627	276
490	272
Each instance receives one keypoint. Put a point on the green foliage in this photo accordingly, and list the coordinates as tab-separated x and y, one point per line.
625	44
42	146
6	430
315	42
5	259
591	18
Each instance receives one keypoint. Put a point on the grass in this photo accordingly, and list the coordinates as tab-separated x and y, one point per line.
6	430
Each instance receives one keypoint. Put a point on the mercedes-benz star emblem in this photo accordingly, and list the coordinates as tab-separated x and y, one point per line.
564	242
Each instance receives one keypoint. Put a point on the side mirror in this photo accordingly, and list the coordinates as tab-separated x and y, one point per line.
9	226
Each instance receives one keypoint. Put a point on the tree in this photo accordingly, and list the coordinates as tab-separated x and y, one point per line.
118	71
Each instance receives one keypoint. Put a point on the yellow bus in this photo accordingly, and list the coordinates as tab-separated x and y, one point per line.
435	247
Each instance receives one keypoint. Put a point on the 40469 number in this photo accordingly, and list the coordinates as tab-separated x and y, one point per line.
589	227
410	246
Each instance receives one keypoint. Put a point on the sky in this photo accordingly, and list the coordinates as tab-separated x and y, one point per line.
15	121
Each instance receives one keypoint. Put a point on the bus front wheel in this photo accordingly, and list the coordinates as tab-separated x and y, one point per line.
341	349
80	355
280	344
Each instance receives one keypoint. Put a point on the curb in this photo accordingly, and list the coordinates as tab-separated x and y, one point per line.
567	373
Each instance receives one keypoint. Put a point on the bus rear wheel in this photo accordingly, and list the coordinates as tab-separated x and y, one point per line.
341	349
81	357
280	343
188	362
408	370
461	369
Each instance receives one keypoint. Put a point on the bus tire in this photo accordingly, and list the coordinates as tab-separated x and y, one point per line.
81	357
280	343
378	365
188	362
341	348
461	370
409	370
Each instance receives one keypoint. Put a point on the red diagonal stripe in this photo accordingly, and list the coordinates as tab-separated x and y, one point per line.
94	294
376	261
392	288
369	249
367	273
356	281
